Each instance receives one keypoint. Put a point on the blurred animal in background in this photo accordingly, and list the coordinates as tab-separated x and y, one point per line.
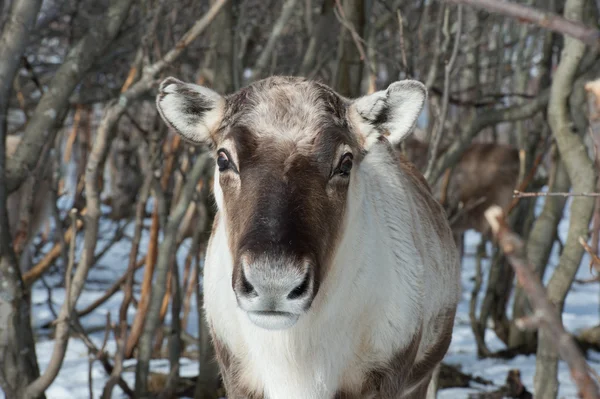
486	174
331	271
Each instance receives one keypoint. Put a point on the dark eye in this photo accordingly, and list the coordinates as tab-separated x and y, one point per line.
222	161
345	165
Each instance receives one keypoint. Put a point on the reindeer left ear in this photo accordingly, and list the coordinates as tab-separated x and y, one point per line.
195	112
392	112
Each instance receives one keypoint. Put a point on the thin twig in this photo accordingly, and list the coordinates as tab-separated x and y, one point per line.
341	17
62	329
520	194
437	137
595	260
402	47
278	26
69	273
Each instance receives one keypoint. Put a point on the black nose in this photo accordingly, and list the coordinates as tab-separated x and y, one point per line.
247	288
301	289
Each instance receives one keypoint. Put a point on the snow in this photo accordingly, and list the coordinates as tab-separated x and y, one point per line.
582	310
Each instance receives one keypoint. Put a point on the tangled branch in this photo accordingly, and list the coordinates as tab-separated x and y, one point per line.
544	314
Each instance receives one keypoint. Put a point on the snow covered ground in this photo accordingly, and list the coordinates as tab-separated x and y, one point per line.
581	310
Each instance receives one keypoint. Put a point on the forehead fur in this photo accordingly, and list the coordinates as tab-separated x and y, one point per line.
288	108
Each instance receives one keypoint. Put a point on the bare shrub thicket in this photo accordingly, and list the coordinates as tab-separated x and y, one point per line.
512	106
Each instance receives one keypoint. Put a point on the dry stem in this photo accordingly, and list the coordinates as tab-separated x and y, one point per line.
437	135
544	312
520	194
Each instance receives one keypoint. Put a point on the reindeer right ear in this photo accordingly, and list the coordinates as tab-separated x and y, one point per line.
193	111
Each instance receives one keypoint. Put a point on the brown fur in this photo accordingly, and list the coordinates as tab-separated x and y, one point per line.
485	170
230	370
292	213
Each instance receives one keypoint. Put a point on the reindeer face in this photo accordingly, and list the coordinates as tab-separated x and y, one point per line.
286	151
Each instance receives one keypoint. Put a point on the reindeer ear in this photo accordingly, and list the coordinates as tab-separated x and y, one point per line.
392	112
193	111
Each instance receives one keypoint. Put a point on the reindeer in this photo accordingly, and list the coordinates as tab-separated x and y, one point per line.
485	175
331	271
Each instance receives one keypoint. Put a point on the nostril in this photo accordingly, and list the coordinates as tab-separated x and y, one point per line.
301	289
247	288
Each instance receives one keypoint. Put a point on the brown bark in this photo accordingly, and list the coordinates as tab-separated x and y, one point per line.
222	38
348	74
142	310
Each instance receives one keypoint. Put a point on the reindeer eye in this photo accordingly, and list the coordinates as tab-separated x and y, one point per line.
345	165
222	161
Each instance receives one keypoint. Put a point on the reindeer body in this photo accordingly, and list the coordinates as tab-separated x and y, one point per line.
360	302
485	175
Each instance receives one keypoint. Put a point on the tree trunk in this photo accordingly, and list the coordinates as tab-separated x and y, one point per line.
318	38
543	233
582	175
348	75
222	44
539	245
18	362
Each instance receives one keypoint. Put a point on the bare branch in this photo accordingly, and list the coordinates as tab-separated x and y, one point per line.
37	387
402	46
521	194
341	16
32	275
185	41
265	56
166	251
545	312
437	136
54	101
541	18
13	40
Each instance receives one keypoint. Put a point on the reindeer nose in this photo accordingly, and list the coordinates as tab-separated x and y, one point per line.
274	292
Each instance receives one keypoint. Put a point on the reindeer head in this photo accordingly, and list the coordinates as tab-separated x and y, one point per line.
286	150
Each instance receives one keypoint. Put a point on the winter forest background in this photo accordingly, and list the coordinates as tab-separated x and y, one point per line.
105	213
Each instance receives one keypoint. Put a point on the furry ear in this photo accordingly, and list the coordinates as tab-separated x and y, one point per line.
392	112
193	111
